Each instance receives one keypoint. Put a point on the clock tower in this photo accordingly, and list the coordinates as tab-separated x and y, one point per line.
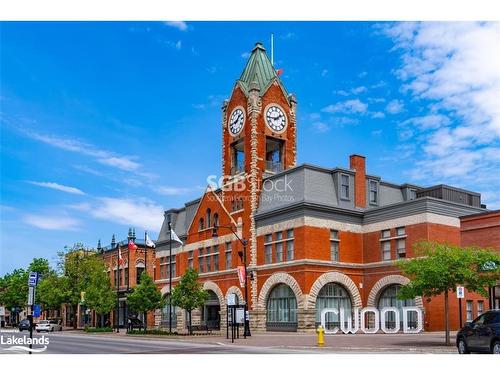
258	138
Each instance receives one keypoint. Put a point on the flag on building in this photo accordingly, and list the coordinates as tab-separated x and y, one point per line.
149	242
121	261
279	71
131	244
175	237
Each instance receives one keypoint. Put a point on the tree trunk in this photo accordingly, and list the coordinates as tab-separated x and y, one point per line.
76	316
189	324
145	321
446	318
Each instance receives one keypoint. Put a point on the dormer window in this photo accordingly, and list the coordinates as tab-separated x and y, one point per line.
201	224
344	186
373	186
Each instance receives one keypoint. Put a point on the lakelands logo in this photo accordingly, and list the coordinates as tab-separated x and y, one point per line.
21	344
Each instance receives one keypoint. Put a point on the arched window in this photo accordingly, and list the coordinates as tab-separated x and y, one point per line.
388	298
164	314
216	219
333	295
282	309
201	224
208	217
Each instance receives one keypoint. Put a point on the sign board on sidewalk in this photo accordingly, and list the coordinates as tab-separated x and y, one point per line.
240	315
33	279
460	291
31	295
37	309
2	310
231	299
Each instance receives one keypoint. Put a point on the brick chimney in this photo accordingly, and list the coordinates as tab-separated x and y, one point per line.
357	163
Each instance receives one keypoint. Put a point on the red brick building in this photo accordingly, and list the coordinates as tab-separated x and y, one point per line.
481	230
317	237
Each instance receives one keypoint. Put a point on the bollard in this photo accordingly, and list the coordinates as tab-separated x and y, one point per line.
321	336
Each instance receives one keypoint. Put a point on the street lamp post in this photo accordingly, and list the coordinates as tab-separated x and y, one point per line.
243	257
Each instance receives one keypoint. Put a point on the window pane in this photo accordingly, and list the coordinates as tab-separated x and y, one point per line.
269	238
279	236
289	233
290	250
386	233
268	253
400	231
279	252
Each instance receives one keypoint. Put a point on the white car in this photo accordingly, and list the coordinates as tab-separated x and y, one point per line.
48	326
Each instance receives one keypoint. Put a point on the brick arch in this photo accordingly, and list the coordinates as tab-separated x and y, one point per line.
338	278
385	282
234	289
210	285
279	278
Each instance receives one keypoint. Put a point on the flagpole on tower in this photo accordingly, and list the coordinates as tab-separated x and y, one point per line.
272	49
146	251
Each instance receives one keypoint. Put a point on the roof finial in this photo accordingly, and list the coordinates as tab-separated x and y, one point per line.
272	49
99	247
113	241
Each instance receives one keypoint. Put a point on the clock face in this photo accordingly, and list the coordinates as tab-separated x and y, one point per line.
275	118
236	121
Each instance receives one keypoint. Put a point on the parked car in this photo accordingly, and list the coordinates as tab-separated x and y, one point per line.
481	335
48	326
135	323
24	325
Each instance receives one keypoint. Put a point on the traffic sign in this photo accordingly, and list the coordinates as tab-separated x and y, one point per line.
33	279
240	315
460	291
37	309
31	295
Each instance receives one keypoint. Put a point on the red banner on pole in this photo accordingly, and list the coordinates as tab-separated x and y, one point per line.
241	275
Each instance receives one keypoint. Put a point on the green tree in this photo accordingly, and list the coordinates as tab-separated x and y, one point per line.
41	266
189	293
52	291
145	297
99	295
440	268
14	291
79	267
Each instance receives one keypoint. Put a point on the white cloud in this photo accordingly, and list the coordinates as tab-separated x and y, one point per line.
245	55
395	106
122	163
173	190
324	72
377	114
352	91
101	156
348	106
178	45
180	25
140	212
454	69
56	186
320	127
52	222
362	74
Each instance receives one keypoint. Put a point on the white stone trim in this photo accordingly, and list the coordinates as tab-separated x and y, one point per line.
385	282
280	278
234	289
329	263
338	278
357	228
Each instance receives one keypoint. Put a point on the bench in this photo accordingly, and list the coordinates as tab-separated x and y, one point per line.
200	328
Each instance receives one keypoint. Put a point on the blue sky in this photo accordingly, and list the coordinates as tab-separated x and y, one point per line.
104	125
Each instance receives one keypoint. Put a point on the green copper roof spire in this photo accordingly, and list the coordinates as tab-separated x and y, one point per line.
259	70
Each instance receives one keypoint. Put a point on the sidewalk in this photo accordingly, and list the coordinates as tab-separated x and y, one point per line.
428	342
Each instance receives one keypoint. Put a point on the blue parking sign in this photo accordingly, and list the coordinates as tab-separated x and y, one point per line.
36	311
33	279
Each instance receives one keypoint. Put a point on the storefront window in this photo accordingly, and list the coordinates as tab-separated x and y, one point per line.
388	298
333	295
282	308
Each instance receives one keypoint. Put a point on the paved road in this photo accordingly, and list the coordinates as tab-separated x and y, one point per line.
74	342
80	343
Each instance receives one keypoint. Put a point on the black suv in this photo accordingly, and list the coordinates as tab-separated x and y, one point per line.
481	335
24	325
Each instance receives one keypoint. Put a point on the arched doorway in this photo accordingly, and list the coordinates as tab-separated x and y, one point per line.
281	309
210	313
333	295
388	298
